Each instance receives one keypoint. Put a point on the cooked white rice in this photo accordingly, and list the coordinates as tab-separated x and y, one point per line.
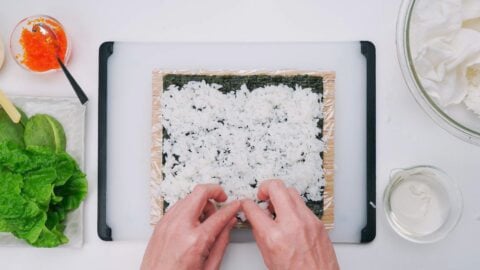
240	139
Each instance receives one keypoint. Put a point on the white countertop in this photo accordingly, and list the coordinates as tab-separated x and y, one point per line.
405	134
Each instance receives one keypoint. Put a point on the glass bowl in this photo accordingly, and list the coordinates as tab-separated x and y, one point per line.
456	119
16	48
422	204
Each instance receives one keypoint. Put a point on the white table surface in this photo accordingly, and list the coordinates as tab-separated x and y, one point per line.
405	135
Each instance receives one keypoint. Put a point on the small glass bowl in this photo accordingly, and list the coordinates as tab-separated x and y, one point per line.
448	196
16	49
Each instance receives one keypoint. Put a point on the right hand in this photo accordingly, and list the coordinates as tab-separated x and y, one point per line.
296	239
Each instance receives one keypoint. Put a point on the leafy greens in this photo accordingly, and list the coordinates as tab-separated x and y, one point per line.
40	183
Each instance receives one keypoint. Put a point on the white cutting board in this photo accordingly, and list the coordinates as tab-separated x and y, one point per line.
129	120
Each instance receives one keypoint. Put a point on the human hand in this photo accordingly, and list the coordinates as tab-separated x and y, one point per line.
193	234
296	239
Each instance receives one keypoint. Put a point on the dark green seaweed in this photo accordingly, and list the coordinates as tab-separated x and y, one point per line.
231	83
234	82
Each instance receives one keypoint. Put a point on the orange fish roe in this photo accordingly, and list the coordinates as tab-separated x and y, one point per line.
39	53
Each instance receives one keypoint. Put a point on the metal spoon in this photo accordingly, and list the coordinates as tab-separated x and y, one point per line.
51	38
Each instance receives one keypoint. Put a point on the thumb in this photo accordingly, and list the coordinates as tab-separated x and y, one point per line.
219	246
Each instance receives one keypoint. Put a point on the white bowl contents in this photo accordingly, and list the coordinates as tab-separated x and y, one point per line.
438	44
445	47
422	203
418	205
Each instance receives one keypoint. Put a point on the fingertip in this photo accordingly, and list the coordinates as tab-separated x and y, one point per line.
208	191
253	211
262	195
246	202
267	184
233	222
278	184
266	187
222	197
200	195
230	209
236	204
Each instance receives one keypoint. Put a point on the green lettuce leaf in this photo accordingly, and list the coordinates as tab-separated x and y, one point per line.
12	204
73	192
13	157
50	238
9	131
4	226
65	167
55	216
44	130
30	229
38	188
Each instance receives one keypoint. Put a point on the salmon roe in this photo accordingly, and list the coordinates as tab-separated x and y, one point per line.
39	52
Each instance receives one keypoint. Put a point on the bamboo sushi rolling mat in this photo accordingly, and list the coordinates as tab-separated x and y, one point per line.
328	79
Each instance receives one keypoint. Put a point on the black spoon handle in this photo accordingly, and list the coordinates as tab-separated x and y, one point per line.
78	90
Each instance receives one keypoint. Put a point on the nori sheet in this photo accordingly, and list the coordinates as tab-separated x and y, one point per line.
234	82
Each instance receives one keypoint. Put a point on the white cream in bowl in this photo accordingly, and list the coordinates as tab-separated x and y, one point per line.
423	204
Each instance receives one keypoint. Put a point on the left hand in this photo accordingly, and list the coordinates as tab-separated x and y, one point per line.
193	234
